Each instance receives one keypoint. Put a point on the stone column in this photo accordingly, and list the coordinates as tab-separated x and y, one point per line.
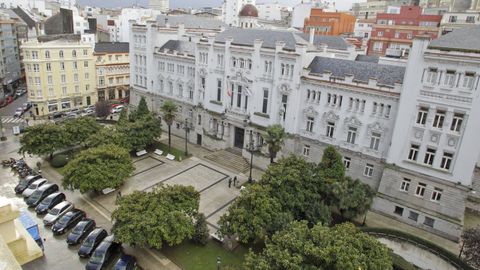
226	129
210	125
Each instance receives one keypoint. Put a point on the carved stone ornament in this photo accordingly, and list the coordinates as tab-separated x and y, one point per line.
452	142
284	89
352	121
202	72
310	111
330	116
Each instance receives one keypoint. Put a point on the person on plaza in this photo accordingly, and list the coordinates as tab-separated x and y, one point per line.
230	182
235	181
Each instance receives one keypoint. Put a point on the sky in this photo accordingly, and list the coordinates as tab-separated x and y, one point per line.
341	4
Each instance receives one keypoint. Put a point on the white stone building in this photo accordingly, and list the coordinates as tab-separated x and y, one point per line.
455	20
231	9
231	84
270	11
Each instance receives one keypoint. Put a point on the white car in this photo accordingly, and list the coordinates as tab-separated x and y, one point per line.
57	212
118	109
33	186
18	112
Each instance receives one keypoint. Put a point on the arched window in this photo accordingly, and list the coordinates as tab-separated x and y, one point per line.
47	54
60	54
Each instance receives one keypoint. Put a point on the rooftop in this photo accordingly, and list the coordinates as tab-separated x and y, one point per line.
333	42
190	21
180	46
246	37
465	39
361	71
111	47
248	10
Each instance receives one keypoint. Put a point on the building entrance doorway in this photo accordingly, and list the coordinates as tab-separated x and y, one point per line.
199	139
239	136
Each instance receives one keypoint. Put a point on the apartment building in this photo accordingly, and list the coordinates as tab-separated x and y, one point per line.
10	70
393	33
456	20
60	74
329	23
112	64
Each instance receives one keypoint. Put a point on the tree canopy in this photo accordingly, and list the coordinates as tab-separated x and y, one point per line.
150	219
79	129
108	135
342	247
98	168
43	139
169	111
102	108
141	110
294	189
274	140
471	246
142	132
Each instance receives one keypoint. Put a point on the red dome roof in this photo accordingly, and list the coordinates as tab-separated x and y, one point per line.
248	11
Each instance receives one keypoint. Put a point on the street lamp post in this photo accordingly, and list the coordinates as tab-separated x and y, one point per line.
219	261
251	148
187	126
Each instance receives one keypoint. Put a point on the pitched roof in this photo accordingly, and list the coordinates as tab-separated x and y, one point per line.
180	46
361	71
367	58
465	39
111	47
247	37
333	42
190	21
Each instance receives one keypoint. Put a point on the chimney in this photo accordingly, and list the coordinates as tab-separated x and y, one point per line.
312	35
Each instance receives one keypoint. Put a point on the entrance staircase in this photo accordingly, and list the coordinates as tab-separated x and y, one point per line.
230	158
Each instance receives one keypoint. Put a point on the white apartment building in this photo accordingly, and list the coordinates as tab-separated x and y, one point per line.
231	85
161	5
231	9
269	11
456	20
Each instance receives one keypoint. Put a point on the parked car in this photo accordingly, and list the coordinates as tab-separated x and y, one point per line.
24	183
126	262
91	242
33	186
80	231
18	112
118	109
26	106
68	221
71	115
88	112
57	115
20	92
41	193
103	253
57	212
49	202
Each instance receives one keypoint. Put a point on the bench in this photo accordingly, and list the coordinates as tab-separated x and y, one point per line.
141	153
216	237
170	157
158	152
108	190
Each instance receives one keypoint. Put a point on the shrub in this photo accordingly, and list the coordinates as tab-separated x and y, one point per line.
59	161
200	236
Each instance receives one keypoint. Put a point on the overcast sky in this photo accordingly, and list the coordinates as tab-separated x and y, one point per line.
341	4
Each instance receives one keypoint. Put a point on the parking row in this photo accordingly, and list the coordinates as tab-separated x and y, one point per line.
62	217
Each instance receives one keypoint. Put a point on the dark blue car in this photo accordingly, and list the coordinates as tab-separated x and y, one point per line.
103	253
80	231
126	262
91	242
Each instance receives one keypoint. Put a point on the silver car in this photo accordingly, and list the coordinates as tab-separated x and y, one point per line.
57	212
33	186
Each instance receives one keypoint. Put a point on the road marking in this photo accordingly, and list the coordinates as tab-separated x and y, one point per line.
96	208
12	120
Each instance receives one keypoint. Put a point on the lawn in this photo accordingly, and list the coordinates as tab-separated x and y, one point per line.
179	154
190	256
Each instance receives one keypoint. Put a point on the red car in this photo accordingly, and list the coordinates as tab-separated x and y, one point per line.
6	101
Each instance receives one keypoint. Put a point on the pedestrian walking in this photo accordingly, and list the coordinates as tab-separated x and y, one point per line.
230	182
234	181
119	195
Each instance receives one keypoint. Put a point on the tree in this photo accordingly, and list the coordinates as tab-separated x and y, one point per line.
141	111
471	246
342	247
169	109
274	140
354	198
108	135
123	118
79	129
331	166
142	132
98	168
201	235
102	108
150	219
253	215
43	139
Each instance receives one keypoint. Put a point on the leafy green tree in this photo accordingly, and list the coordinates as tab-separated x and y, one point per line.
123	118
331	166
471	246
354	198
201	233
342	247
253	215
79	129
98	168
274	140
150	219
141	110
142	132
108	135
43	139
169	110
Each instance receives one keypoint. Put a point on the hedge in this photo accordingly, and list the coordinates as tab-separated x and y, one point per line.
415	240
